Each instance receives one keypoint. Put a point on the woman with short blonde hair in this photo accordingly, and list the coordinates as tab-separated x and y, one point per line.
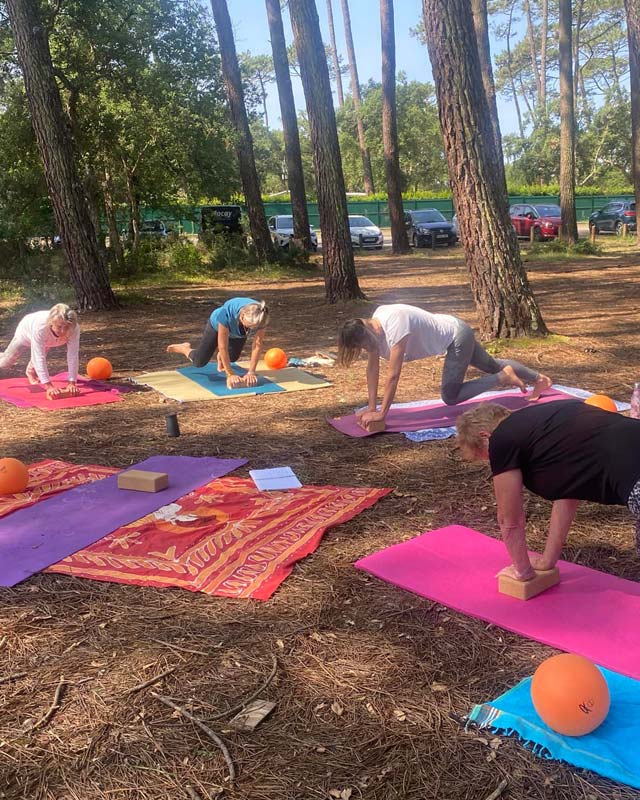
226	332
39	332
565	451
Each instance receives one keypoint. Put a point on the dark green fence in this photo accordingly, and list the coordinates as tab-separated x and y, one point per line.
184	219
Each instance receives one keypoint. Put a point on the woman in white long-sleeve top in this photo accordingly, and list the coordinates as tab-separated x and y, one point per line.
39	332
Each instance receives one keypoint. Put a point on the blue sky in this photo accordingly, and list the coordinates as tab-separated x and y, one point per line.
252	33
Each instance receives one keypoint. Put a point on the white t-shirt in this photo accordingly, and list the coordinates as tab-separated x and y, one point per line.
429	334
33	331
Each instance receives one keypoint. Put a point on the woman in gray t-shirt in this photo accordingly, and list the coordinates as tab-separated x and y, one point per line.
399	333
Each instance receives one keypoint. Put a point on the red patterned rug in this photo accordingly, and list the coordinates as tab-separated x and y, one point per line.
226	538
49	477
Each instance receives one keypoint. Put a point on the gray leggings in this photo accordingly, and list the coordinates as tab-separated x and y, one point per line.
464	352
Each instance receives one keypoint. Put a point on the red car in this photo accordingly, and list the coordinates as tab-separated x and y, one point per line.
545	221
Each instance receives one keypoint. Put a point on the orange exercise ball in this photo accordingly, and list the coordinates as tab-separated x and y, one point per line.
99	369
14	476
601	401
275	358
570	694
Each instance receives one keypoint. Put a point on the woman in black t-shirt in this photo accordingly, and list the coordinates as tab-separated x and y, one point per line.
564	451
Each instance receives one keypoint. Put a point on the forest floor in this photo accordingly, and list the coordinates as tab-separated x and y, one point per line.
369	678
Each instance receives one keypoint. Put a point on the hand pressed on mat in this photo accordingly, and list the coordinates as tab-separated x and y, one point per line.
368	418
53	392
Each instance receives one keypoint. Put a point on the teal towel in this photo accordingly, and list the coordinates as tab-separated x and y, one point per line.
612	750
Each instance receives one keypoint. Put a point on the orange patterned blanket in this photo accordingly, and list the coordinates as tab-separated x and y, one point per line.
226	538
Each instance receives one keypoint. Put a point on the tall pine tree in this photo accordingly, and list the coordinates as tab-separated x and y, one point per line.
504	300
341	281
70	207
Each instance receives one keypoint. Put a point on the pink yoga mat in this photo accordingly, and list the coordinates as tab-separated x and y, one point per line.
589	613
438	415
19	392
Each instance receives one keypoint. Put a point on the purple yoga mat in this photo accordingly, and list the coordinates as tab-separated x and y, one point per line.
437	415
36	537
588	612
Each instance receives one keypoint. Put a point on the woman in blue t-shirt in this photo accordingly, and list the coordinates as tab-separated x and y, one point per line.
226	332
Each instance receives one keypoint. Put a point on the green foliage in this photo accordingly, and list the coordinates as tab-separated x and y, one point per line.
179	260
25	209
140	82
603	148
230	252
500	347
515	190
557	250
422	161
553	190
268	147
33	279
141	85
257	73
583	247
185	260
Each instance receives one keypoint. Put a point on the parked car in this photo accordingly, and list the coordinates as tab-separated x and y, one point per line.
544	219
364	233
220	219
153	229
614	216
427	228
281	227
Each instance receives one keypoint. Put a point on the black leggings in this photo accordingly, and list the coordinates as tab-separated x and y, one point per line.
203	353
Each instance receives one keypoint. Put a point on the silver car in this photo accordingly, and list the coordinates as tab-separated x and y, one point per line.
364	233
281	228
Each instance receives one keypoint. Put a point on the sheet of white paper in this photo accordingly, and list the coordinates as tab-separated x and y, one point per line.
277	478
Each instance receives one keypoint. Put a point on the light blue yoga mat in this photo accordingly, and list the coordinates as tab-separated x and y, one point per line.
210	378
612	750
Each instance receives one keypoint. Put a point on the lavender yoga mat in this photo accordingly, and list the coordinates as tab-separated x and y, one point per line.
589	613
437	415
36	537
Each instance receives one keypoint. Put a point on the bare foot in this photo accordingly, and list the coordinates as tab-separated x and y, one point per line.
32	378
541	385
507	377
183	349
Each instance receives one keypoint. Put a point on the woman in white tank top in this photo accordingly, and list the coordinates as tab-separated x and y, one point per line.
399	333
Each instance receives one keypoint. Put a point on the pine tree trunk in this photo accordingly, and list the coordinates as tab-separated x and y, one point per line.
86	263
93	195
367	174
295	175
115	244
504	300
334	54
569	224
575	46
514	93
480	23
399	239
633	35
134	210
543	59
244	141
533	55
341	281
